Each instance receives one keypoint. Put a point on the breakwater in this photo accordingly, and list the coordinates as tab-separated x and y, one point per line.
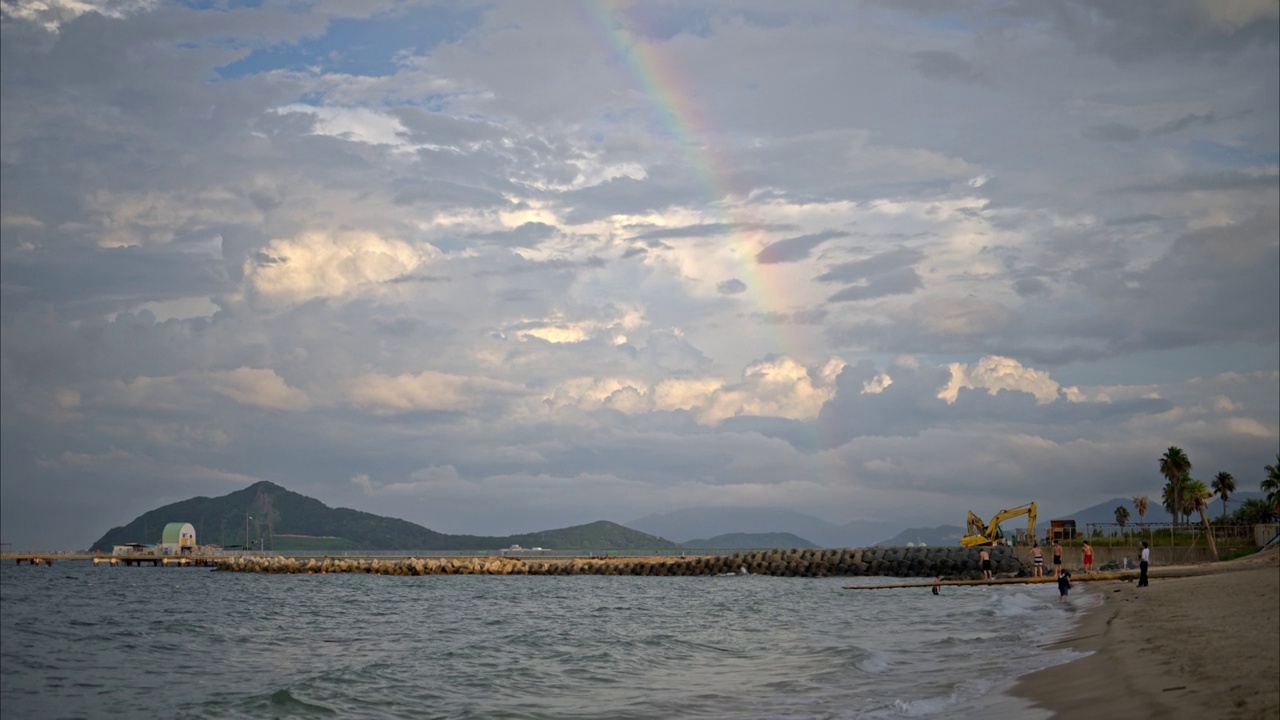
877	561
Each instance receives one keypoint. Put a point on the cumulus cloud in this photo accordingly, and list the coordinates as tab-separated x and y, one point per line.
994	374
777	387
316	264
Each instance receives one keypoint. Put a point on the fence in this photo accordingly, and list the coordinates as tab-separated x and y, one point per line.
1169	534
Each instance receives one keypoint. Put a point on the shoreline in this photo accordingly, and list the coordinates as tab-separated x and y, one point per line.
1190	647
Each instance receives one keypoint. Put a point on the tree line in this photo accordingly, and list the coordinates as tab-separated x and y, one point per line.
1184	495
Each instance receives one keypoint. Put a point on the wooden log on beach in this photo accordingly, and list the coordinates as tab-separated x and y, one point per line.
1116	575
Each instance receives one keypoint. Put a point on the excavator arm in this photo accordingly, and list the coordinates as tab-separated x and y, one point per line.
988	533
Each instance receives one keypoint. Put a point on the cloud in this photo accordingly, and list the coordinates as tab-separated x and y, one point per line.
1185	121
316	264
427	391
251	387
778	387
235	244
945	65
796	248
994	374
732	286
1113	132
258	387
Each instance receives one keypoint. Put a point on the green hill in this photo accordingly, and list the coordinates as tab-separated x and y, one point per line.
270	516
751	541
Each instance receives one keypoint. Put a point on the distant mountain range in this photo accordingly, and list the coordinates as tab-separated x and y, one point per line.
686	526
749	541
941	536
265	515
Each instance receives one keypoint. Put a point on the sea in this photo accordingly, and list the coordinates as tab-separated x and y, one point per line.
79	641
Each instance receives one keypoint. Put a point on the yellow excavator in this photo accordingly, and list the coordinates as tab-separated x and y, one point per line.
981	533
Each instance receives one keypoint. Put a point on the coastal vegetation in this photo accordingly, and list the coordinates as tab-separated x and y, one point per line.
1223	486
1140	504
1271	484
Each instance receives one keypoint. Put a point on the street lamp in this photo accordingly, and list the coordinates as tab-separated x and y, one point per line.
247	518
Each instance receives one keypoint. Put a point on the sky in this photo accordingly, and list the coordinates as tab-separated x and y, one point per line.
501	267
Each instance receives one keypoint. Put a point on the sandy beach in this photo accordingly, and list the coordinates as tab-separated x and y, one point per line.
1190	647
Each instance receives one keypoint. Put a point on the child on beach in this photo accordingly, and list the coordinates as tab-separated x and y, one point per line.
1064	585
1037	556
1086	550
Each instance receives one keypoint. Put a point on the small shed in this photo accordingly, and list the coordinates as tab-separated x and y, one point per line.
178	538
1062	530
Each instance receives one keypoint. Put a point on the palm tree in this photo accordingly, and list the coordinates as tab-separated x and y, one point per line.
1176	498
1223	486
1175	464
1122	517
1197	495
1140	504
1253	511
1271	484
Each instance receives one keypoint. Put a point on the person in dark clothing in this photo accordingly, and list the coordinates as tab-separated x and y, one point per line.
1144	564
1064	585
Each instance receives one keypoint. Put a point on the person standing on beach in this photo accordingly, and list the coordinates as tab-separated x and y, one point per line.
986	564
1144	564
1057	557
1037	557
1064	585
1086	550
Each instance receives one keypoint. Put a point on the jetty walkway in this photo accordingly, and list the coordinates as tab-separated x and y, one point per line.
955	565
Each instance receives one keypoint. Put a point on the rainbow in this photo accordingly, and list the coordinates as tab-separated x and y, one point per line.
675	107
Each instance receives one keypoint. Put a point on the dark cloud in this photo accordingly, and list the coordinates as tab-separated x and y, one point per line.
886	262
1031	287
945	65
703	230
796	248
1184	122
1219	180
893	282
1142	29
1113	132
732	286
89	282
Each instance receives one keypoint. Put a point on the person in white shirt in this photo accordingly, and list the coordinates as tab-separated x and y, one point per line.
1142	566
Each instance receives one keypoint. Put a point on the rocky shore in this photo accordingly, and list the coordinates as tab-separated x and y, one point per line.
957	563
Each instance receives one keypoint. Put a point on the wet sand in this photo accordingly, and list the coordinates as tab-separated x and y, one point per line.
1188	647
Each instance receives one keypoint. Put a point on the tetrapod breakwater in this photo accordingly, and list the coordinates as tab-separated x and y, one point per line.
874	561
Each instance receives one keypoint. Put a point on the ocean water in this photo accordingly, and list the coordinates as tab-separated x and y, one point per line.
78	641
